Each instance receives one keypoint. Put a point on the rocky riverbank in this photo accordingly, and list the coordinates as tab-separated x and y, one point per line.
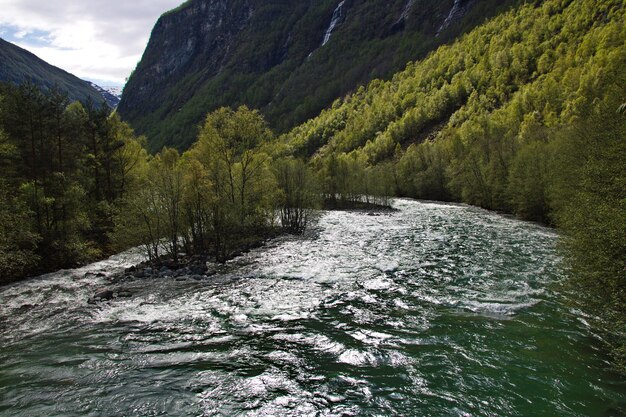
185	267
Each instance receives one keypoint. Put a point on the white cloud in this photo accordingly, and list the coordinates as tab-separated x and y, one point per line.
93	39
21	34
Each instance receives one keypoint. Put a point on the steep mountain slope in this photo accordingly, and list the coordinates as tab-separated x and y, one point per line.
18	66
536	67
288	58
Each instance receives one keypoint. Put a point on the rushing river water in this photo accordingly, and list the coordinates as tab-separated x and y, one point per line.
433	310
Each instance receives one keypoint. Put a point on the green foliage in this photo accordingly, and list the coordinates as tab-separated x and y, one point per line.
17	242
166	180
212	198
421	171
298	194
589	197
230	149
64	168
528	179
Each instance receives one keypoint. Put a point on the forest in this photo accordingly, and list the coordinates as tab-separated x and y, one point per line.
65	168
523	115
79	185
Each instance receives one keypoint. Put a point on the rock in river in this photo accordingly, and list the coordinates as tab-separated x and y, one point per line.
102	294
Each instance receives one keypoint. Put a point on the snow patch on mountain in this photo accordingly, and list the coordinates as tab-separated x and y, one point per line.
111	94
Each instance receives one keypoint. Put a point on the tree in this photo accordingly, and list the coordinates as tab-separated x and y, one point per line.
230	150
233	138
96	131
198	199
166	177
18	244
298	195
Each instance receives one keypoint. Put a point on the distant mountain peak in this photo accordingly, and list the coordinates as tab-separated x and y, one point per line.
111	94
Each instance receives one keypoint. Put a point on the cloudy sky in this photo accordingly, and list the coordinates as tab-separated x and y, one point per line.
99	40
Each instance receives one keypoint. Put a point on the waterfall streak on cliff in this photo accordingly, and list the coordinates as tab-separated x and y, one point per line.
333	22
456	9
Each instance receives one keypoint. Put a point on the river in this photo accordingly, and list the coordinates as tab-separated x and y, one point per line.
432	310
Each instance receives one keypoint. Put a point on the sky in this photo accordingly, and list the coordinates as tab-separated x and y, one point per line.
98	40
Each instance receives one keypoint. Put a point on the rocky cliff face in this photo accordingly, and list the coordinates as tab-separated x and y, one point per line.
456	13
289	58
195	39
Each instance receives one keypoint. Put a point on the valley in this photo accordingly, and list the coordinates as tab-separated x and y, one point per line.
323	208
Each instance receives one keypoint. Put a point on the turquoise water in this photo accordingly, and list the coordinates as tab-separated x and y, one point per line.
433	310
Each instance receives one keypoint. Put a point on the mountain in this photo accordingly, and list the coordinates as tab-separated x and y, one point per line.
18	66
111	95
288	58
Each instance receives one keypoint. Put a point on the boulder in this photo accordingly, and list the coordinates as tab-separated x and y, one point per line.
124	294
197	269
182	272
102	294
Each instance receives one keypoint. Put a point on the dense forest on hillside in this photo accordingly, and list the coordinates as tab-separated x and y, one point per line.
524	115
